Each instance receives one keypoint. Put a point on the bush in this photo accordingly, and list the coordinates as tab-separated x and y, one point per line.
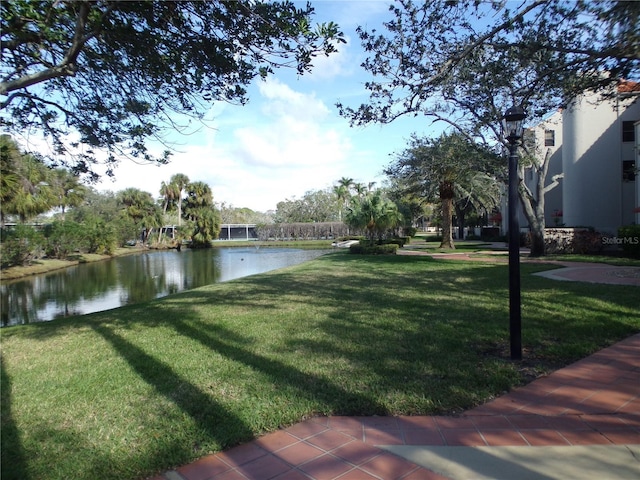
64	238
587	241
433	238
100	237
630	237
366	248
350	237
20	246
126	231
579	240
410	231
400	241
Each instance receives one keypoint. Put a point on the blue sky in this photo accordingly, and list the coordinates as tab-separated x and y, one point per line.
289	139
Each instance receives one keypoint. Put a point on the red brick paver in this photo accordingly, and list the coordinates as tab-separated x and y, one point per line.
595	401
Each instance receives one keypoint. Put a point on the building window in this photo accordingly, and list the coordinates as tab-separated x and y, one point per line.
628	132
628	170
549	138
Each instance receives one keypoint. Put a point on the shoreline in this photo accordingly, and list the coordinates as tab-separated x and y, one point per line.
42	266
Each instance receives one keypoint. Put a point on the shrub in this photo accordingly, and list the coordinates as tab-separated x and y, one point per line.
100	237
400	241
410	231
21	245
350	237
126	231
366	248
587	241
64	238
580	240
630	240
433	238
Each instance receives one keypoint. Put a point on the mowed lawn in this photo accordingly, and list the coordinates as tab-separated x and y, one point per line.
127	393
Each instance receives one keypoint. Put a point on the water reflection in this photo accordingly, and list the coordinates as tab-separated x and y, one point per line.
99	286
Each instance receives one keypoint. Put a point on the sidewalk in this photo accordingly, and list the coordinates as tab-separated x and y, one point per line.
570	271
580	422
594	273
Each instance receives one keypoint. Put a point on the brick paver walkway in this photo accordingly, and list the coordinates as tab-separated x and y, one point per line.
595	401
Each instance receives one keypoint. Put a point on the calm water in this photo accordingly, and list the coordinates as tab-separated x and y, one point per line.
94	287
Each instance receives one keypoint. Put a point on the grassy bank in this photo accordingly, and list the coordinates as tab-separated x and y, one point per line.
140	389
49	265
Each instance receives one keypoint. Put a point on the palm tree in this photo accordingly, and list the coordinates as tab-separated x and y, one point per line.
342	193
25	188
360	189
434	168
479	191
67	189
200	210
10	155
199	195
179	182
346	182
169	195
375	213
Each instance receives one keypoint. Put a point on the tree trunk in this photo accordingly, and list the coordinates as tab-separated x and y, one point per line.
446	197
533	205
537	242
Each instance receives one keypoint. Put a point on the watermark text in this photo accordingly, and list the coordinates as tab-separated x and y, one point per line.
620	240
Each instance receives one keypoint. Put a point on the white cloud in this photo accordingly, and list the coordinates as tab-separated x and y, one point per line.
288	144
284	101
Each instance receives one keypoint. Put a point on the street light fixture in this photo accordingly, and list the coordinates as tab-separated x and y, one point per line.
513	119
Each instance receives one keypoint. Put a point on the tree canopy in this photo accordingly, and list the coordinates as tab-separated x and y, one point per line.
466	62
111	75
445	169
314	206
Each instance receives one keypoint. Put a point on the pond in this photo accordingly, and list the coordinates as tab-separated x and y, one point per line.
94	287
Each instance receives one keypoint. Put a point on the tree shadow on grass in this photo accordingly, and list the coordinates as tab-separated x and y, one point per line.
210	416
13	457
314	387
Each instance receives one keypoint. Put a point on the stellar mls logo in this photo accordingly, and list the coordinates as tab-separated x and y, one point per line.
621	240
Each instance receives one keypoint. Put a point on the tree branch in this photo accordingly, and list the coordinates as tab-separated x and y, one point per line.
455	59
66	68
554	182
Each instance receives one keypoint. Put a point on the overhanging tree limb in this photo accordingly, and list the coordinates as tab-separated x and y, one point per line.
125	68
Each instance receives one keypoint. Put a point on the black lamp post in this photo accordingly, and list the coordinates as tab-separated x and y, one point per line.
513	119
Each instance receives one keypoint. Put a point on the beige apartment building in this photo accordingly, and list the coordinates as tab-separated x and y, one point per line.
594	149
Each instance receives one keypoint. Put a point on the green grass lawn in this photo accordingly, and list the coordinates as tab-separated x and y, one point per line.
127	393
